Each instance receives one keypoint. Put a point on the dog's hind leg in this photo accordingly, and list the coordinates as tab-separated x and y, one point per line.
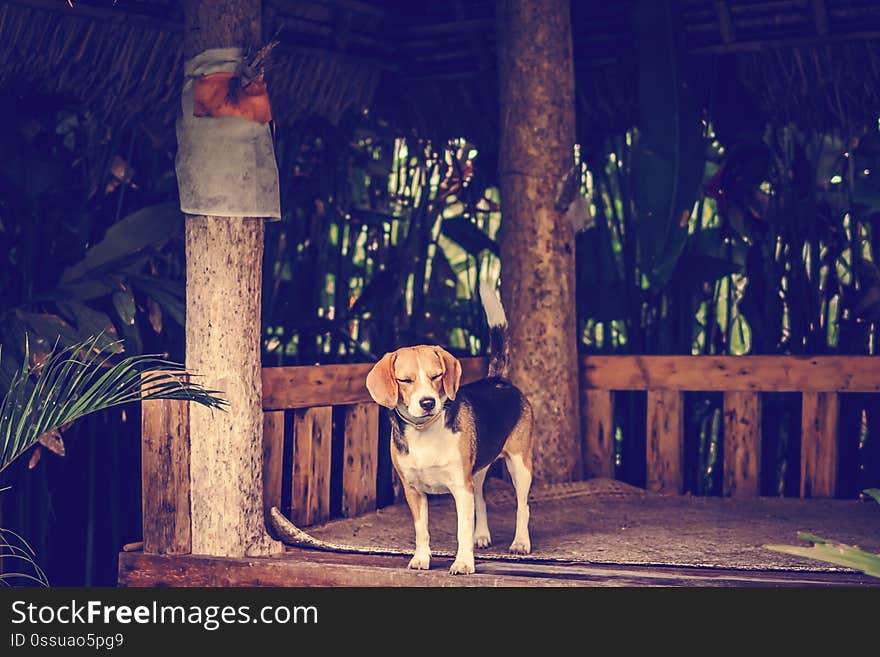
482	537
522	482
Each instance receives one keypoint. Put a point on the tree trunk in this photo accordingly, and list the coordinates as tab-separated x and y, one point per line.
223	295
537	241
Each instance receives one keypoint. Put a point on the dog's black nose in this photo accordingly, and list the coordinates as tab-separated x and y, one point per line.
427	403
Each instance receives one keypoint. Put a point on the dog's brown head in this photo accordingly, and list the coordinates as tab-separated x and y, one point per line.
418	378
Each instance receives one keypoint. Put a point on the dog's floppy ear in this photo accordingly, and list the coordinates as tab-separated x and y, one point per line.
382	383
451	372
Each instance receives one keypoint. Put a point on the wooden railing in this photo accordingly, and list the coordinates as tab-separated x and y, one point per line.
299	402
742	379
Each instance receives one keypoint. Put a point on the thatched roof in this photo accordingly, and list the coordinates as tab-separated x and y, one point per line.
431	66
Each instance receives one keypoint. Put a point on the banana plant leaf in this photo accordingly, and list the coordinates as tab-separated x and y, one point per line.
152	225
49	326
465	232
169	294
602	302
123	301
699	268
601	293
90	322
670	157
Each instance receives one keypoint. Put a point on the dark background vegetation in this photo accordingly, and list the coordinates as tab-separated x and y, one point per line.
729	214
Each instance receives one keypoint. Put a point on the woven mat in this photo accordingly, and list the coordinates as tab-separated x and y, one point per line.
609	522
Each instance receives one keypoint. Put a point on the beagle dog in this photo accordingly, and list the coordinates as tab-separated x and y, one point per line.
444	436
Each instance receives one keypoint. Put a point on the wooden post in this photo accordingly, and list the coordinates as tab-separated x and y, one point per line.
359	459
597	414
819	415
165	486
312	451
665	456
273	456
224	277
536	77
742	443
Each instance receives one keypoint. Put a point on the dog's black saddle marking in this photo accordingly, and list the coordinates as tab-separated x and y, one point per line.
496	406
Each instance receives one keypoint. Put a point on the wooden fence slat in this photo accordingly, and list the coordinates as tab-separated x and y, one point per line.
665	441
732	373
333	385
819	417
312	443
165	485
742	444
273	455
359	459
597	415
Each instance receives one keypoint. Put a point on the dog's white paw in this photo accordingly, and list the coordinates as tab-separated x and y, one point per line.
520	547
420	561
482	540
462	567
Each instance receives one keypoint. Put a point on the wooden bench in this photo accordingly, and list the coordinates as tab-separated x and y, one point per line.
299	457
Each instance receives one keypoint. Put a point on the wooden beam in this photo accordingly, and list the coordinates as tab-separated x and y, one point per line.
733	373
819	418
165	485
333	385
665	455
760	45
312	450
456	27
597	416
359	464
357	6
725	22
742	444
305	568
121	15
820	17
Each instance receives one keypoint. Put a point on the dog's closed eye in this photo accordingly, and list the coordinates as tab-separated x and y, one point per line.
404	380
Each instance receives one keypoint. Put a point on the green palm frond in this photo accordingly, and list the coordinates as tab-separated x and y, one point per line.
81	379
18	560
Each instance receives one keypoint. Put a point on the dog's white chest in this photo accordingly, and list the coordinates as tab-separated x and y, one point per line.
434	463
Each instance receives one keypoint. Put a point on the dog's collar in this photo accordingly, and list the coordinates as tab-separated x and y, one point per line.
414	422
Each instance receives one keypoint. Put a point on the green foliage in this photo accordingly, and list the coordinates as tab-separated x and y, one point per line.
79	380
840	554
382	242
670	153
69	384
836	553
85	251
18	562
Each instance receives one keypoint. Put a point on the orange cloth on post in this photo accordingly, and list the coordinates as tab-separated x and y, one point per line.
211	97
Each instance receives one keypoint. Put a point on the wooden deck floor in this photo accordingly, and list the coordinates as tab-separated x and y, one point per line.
306	568
596	533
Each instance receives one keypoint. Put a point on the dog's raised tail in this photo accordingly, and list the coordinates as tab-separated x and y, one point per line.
499	345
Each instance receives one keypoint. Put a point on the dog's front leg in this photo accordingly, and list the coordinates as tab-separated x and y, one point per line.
418	506
464	506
